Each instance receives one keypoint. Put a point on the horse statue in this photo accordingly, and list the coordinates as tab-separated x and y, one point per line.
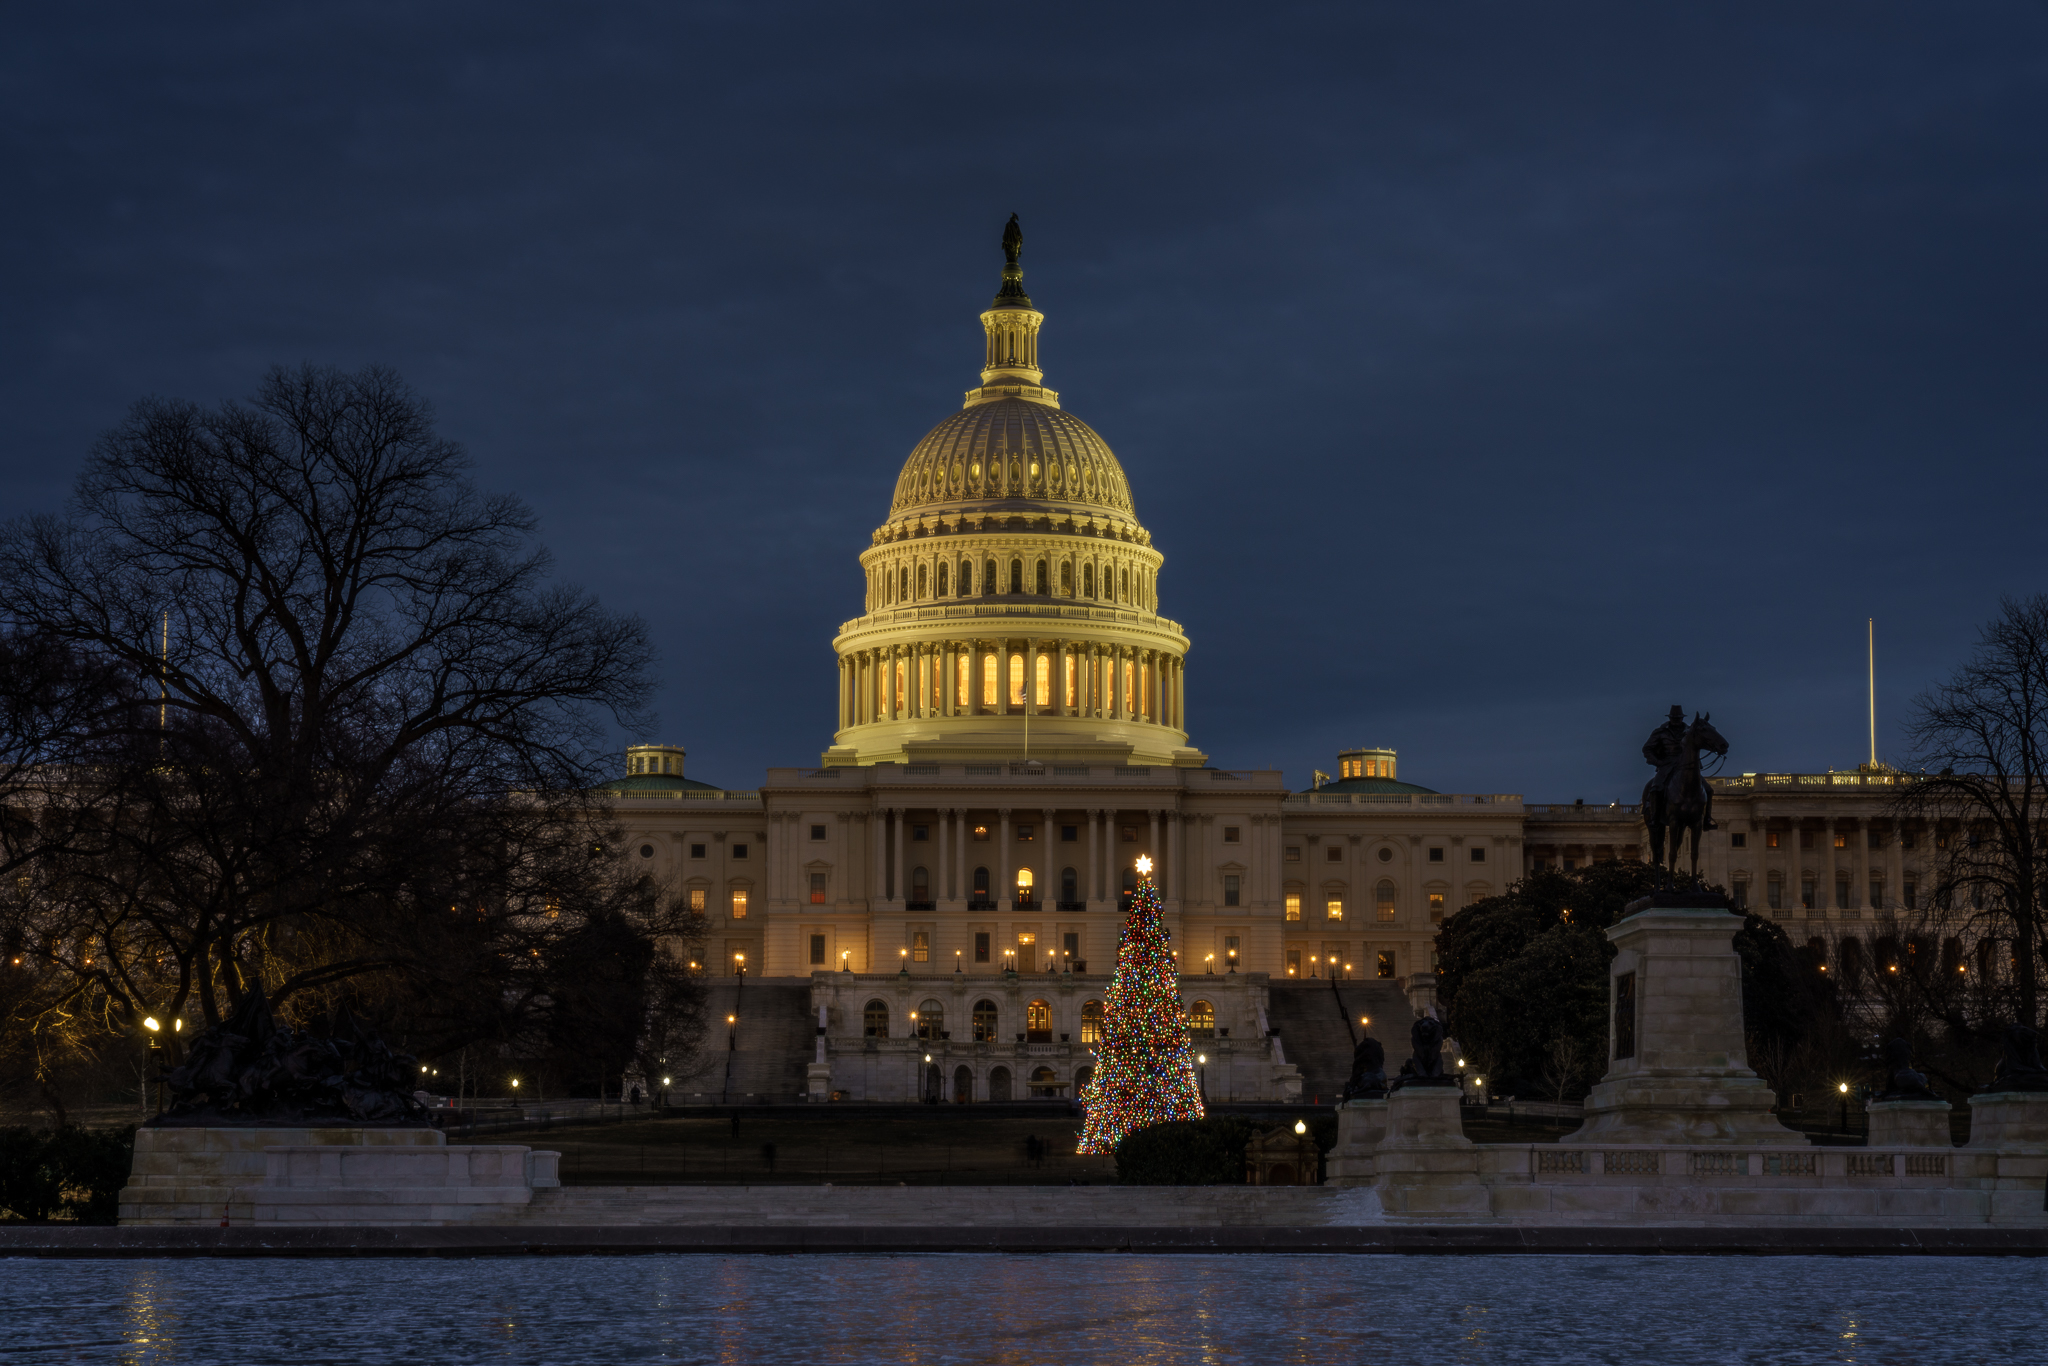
1677	799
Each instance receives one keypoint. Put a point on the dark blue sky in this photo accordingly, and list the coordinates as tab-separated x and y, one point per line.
1440	341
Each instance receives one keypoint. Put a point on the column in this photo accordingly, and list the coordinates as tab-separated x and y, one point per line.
900	886
1152	844
1092	890
1895	865
1824	894
950	688
1173	822
941	882
1003	678
1048	883
1003	883
876	892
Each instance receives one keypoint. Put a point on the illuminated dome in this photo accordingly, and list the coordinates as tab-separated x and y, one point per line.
1013	451
1012	598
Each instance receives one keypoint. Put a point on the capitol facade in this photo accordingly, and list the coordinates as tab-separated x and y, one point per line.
1011	736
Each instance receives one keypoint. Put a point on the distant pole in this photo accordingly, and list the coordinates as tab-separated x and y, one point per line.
1870	645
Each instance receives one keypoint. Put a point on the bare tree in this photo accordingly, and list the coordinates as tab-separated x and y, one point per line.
1981	740
359	735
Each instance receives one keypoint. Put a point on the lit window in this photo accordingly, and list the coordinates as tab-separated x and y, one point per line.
1024	833
961	695
1294	905
1202	1020
697	898
990	684
739	905
1383	900
1091	1022
1294	962
1038	1022
1770	839
1334	908
1436	908
1293	854
1043	686
920	946
874	1020
817	889
1071	664
1017	680
1372	768
1386	963
1841	841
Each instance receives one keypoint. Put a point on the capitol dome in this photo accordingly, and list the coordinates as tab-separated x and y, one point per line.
1012	598
1013	450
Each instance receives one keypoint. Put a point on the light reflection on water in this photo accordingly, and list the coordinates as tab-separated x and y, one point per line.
1071	1310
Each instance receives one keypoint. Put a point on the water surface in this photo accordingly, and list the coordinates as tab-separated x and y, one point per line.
1072	1310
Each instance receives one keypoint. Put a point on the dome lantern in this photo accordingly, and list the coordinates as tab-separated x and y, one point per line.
1010	366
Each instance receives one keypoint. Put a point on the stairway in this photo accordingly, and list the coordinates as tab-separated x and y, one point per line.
1311	1019
775	1038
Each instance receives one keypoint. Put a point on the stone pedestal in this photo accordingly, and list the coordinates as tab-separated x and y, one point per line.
2008	1119
1423	1117
1677	1072
818	1080
188	1175
1361	1126
1909	1124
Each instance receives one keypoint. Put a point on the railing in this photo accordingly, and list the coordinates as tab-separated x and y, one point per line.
920	905
691	795
1613	811
981	904
1407	799
1026	905
1072	905
1828	780
889	616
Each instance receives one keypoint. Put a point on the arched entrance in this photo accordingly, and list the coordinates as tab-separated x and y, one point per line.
963	1085
999	1083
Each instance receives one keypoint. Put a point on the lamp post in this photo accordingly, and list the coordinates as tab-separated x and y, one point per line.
904	970
1209	965
154	1065
846	960
1843	1087
1232	956
732	1043
1202	1076
956	960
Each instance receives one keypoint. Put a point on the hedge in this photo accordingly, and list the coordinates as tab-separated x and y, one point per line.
71	1173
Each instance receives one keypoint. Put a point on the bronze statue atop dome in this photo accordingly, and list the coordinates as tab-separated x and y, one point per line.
1013	241
1012	294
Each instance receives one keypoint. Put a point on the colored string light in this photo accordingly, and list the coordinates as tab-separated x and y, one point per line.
1144	1069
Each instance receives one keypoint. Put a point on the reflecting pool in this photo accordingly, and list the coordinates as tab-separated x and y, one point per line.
1069	1309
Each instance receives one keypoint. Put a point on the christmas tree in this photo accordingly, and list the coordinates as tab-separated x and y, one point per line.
1144	1071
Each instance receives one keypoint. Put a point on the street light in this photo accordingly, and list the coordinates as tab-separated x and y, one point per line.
956	960
1843	1087
846	960
1202	1074
1210	963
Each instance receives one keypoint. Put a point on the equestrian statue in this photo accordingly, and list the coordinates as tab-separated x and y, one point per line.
1678	798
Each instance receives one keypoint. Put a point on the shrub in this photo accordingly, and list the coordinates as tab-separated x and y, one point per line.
1194	1152
72	1173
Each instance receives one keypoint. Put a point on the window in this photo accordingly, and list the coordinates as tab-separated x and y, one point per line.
1087	580
1026	885
1738	840
817	950
920	832
1230	835
1907	838
921	581
1385	965
1294	962
817	832
1041	687
1770	839
817	889
942	581
739	851
1293	854
1806	839
697	899
1130	834
981	946
1230	949
966	577
1842	892
1016	576
1383	900
1479	854
920	946
1806	891
1070	887
988	577
1386	854
1230	887
1201	1020
1912	891
1024	834
874	1020
984	1021
1038	1022
981	832
1841	841
1334	854
696	851
1774	893
1742	894
931	1020
962	696
1070	946
1294	905
981	884
990	684
1027	950
1091	1022
1017	680
1436	908
1066	580
1436	855
646	851
739	905
1069	833
1334	908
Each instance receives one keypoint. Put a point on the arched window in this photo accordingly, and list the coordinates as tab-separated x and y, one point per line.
1044	588
984	1021
920	885
981	884
963	1084
966	577
1091	1022
962	695
1069	886
1087	580
988	577
1016	576
1042	686
1038	1022
1016	680
990	681
931	1020
1383	900
1123	586
1201	1020
1067	580
874	1021
1024	887
921	581
1082	1076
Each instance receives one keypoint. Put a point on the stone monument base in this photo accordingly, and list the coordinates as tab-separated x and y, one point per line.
1683	1107
2009	1119
1909	1124
1361	1127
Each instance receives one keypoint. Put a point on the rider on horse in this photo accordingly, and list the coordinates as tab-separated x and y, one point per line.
1665	749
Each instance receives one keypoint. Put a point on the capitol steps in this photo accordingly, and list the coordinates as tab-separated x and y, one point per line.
775	1034
1311	1018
